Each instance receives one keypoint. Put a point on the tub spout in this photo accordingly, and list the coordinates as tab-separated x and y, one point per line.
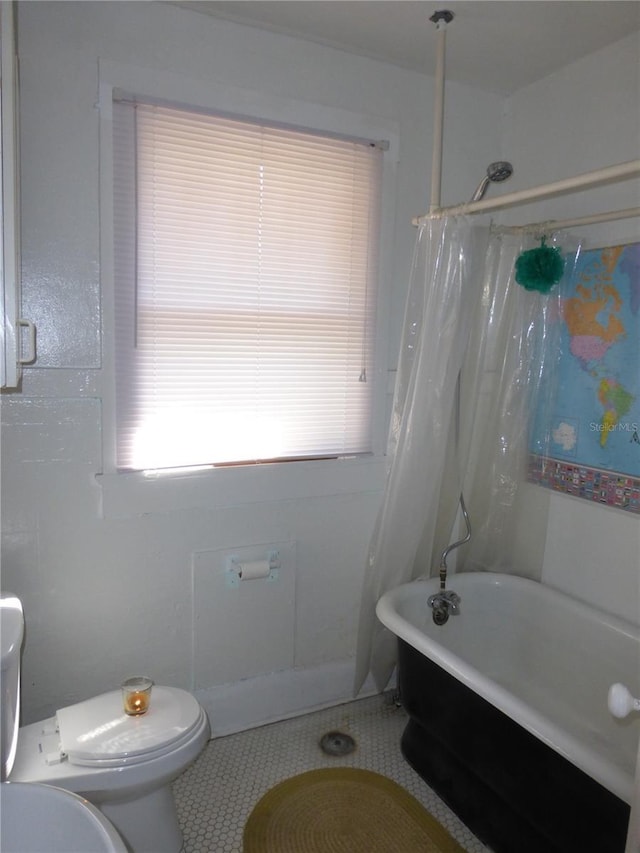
444	604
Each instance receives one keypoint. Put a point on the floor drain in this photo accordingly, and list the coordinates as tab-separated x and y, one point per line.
337	743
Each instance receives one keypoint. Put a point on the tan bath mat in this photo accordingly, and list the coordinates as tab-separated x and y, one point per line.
343	810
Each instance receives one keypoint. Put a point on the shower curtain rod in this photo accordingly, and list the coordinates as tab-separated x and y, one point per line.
586	180
550	225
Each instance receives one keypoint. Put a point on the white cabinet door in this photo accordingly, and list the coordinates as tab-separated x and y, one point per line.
18	335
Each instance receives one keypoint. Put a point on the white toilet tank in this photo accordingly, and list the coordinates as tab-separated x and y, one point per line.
12	632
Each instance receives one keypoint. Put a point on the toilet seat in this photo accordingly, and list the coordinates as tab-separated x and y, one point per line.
97	732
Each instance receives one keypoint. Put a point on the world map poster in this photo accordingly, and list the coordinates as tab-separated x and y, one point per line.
589	444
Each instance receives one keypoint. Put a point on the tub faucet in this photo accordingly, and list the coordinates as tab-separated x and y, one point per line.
443	604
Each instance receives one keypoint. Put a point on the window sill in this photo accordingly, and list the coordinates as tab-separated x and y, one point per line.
129	494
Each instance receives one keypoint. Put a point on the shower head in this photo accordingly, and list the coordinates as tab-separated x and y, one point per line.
496	172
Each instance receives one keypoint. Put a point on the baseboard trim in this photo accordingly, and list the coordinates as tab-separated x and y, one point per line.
265	699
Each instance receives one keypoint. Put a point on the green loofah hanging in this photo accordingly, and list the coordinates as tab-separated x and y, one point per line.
540	268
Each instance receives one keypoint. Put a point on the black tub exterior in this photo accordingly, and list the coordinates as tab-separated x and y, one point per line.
513	791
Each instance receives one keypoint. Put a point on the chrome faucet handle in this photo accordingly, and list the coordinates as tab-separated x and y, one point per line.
445	598
454	601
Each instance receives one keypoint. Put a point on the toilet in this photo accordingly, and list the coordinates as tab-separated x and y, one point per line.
122	765
38	817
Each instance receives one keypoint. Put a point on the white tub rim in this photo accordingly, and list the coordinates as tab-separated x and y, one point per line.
612	777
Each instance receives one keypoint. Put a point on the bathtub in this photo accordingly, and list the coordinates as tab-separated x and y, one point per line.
507	707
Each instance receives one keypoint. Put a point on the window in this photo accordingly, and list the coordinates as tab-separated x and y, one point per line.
245	281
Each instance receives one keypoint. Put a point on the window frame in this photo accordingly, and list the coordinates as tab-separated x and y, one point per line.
203	95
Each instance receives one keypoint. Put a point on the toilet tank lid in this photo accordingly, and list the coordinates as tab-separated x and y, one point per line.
98	731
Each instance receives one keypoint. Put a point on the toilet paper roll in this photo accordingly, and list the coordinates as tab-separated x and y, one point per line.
256	569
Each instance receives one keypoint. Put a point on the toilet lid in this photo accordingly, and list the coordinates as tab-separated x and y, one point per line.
98	732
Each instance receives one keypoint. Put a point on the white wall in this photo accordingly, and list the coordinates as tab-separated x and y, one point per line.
581	118
110	594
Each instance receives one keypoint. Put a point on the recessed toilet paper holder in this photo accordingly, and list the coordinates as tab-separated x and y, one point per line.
240	569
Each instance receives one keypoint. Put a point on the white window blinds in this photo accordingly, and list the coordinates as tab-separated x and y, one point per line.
245	278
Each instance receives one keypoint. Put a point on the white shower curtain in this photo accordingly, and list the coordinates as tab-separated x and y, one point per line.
444	293
477	357
509	376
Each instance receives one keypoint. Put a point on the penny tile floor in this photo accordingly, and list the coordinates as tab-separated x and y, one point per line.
216	794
